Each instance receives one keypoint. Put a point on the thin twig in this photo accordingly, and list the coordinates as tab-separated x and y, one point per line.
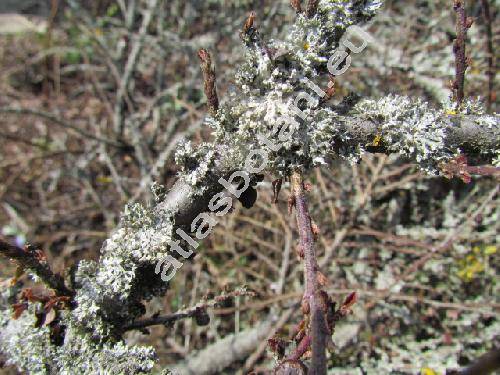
34	260
310	302
209	81
462	24
195	311
490	50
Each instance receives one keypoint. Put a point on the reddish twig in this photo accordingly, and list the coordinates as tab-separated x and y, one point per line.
490	50
458	167
209	81
251	37
35	261
462	24
311	304
301	349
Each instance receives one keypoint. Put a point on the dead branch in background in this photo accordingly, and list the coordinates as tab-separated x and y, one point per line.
214	358
130	65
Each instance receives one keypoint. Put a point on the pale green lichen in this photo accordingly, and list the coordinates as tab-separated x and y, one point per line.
409	127
311	41
270	80
31	349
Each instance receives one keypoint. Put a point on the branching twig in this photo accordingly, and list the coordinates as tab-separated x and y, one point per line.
458	167
198	311
34	260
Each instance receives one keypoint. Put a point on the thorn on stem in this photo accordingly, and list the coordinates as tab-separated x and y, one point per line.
300	251
315	230
322	280
305	307
330	91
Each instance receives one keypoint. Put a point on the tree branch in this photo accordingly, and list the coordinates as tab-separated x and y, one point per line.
462	24
209	81
214	358
465	132
198	311
311	305
33	260
484	365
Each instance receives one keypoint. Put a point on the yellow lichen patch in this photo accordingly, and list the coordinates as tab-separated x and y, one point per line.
475	262
104	179
490	250
428	371
377	140
451	112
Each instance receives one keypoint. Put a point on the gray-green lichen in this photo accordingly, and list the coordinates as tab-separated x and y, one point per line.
408	127
31	348
109	293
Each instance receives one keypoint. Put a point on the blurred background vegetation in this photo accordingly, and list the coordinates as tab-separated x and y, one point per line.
95	96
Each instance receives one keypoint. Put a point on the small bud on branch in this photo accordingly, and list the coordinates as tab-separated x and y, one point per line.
248	23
